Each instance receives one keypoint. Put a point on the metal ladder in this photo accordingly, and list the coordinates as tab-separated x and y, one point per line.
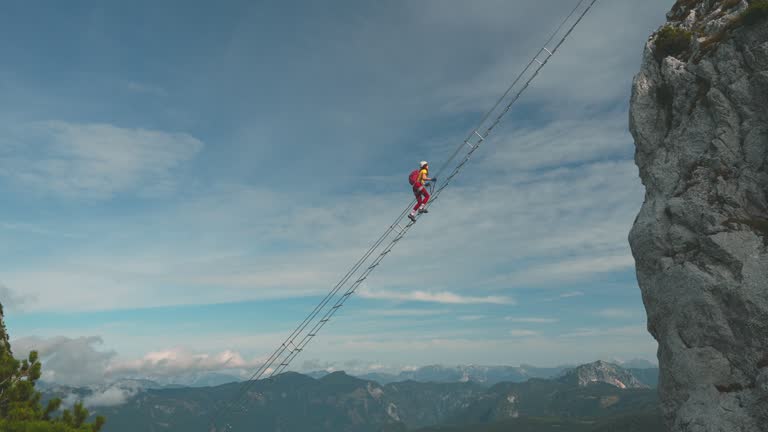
297	341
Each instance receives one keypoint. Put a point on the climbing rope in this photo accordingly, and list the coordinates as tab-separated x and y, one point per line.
298	340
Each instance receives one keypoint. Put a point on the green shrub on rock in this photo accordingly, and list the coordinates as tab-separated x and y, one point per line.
671	41
756	12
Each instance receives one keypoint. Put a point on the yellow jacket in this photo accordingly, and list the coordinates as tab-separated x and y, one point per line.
423	174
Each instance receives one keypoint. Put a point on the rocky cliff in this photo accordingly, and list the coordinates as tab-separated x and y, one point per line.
699	116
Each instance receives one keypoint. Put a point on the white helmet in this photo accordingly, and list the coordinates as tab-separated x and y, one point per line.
422	163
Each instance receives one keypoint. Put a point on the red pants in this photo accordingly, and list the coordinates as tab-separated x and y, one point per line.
422	196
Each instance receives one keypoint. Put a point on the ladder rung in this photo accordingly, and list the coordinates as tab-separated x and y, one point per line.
538	61
312	334
478	134
337	306
548	51
324	320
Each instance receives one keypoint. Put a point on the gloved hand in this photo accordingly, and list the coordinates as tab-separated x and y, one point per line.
434	180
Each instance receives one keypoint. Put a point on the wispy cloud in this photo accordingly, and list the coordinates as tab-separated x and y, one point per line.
572	269
566	295
33	229
98	160
522	333
470	317
432	297
617	313
563	142
555	88
406	312
531	320
628	331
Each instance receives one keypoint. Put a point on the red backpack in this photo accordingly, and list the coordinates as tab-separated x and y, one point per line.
413	177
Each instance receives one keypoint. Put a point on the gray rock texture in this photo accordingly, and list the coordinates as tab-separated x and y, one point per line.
700	122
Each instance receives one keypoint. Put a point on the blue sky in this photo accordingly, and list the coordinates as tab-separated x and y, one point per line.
181	182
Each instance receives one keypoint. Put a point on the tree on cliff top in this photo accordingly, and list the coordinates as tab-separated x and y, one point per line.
20	409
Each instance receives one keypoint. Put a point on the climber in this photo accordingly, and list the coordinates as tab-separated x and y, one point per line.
417	179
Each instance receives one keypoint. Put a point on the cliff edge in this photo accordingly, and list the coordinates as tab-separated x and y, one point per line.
699	117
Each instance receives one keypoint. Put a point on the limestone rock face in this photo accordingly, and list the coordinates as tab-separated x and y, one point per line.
700	122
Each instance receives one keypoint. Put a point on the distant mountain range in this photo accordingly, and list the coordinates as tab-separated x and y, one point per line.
647	374
488	375
589	395
636	422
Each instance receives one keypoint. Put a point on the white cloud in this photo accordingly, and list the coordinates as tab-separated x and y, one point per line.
107	395
68	361
76	362
179	361
98	160
433	297
112	396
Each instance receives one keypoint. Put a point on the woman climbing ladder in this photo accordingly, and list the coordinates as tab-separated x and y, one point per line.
417	179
